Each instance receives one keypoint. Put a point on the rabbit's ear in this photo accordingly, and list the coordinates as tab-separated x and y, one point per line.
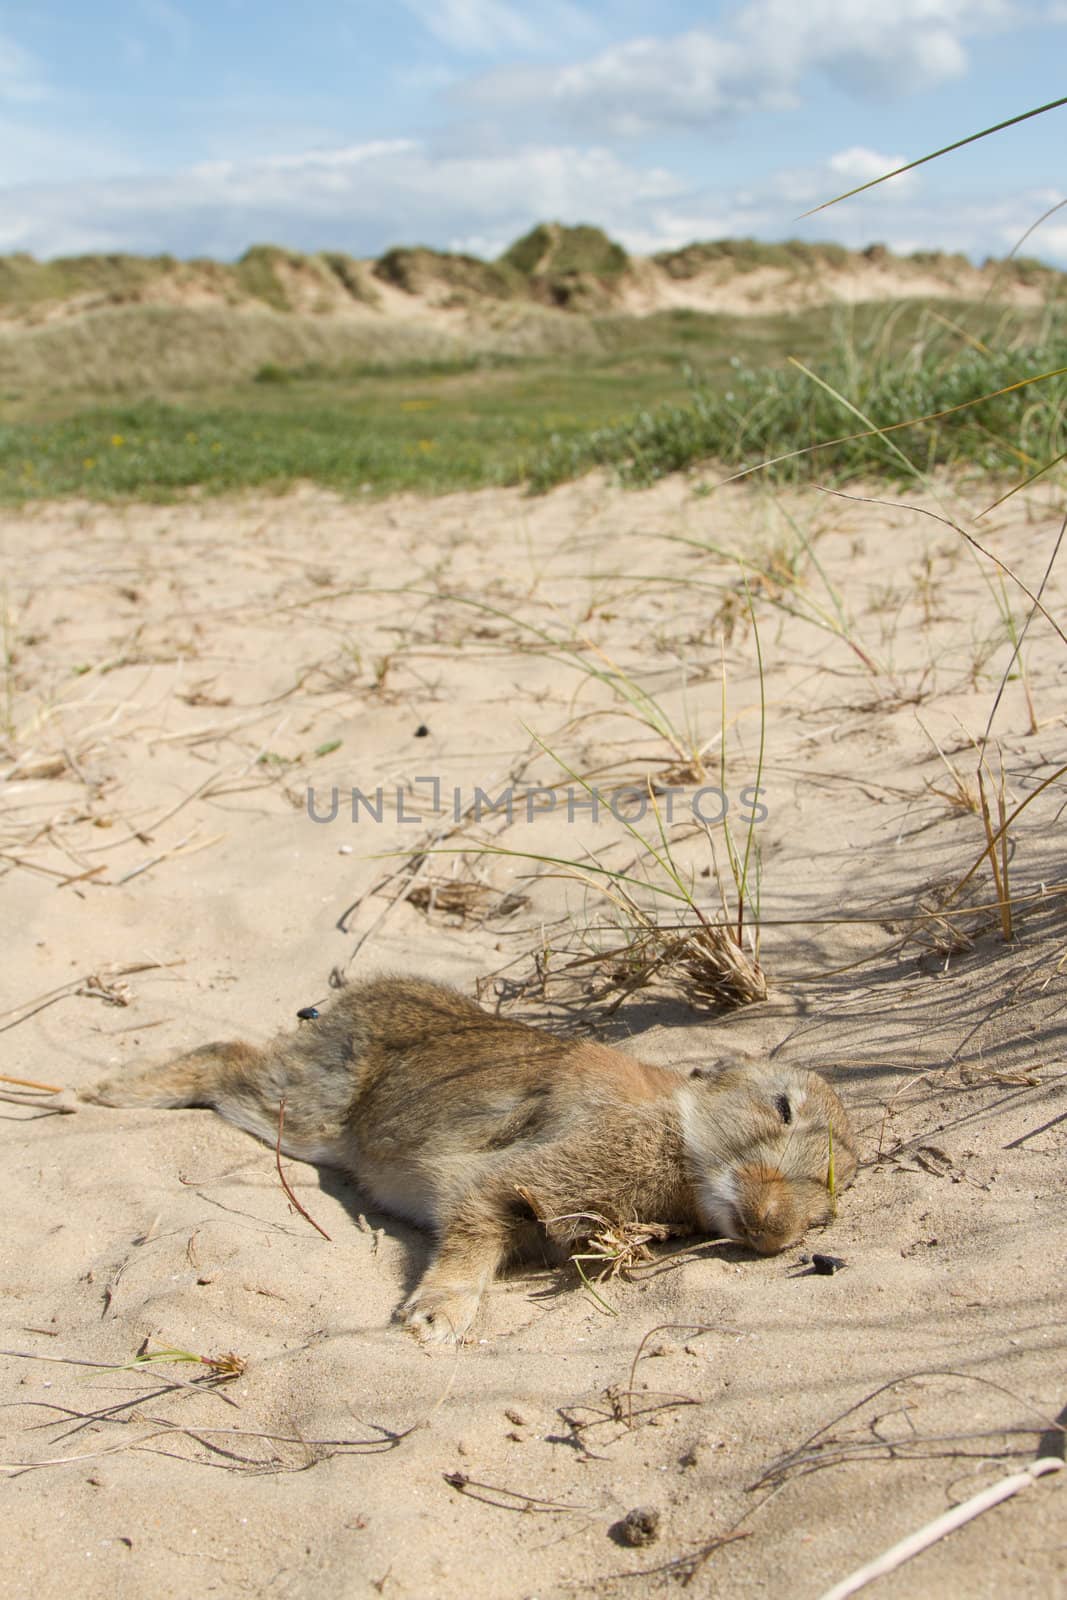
709	1073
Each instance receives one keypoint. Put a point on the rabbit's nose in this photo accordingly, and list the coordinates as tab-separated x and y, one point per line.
767	1209
767	1244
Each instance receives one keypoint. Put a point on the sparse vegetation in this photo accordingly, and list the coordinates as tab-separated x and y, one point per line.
965	408
746	255
341	406
278	368
552	248
256	276
26	282
421	271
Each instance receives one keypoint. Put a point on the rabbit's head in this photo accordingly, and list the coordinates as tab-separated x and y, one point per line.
768	1147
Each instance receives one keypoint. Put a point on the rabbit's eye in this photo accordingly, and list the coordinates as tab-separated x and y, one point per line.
783	1108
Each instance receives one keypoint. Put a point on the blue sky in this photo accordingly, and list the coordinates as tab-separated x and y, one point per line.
200	127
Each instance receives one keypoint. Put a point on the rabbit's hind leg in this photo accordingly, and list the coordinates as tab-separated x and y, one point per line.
209	1076
261	1091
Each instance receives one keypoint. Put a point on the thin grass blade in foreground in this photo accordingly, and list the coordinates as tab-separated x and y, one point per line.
707	961
696	956
909	166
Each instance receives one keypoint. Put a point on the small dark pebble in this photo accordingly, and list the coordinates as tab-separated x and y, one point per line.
308	1013
638	1527
422	731
826	1266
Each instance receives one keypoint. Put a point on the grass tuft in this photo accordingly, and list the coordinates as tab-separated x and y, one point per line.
785	416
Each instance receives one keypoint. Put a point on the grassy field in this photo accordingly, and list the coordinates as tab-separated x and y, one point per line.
644	396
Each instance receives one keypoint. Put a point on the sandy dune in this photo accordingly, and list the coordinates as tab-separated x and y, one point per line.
180	675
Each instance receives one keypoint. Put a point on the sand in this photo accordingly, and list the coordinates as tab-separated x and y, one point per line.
179	677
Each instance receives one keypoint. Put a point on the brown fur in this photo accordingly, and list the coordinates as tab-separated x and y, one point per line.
471	1125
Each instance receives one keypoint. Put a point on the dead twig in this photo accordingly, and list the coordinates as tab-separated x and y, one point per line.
182	848
661	1327
160	1425
93	984
284	1180
814	1448
526	1502
941	1526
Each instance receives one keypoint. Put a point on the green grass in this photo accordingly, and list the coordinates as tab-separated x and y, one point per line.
453	426
415	269
553	248
26	283
431	423
746	255
763	413
644	396
155	450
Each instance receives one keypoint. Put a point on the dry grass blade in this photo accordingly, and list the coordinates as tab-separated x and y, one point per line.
697	1328
617	1248
711	966
887	428
936	516
998	859
704	964
1024	483
960	794
313	1450
620	1247
463	897
30	1083
103	984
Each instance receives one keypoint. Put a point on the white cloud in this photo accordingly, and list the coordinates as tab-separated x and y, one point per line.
796	189
859	162
1049	243
757	63
313	163
689	78
666	228
487	246
485	27
864	48
365	197
641	84
360	199
980	227
859	165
